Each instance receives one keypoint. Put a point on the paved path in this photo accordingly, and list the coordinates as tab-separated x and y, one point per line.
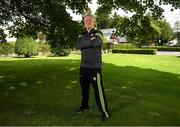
168	53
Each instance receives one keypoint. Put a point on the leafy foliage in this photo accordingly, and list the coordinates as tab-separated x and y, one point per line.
135	51
26	46
44	48
28	17
61	50
2	36
102	19
161	48
166	31
6	48
177	31
125	46
50	17
139	31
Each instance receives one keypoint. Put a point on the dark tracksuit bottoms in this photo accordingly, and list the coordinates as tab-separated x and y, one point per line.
93	76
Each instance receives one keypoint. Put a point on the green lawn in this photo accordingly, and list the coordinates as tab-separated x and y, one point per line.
140	89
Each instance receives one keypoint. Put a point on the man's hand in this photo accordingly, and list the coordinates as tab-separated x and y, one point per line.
93	38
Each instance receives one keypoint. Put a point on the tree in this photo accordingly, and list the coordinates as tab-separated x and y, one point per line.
2	36
26	46
177	31
138	31
117	20
51	17
147	30
166	31
41	37
139	27
103	19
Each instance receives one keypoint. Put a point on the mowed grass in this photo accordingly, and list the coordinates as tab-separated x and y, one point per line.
140	90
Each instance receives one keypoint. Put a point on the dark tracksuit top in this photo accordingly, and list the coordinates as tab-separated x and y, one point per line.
90	69
90	50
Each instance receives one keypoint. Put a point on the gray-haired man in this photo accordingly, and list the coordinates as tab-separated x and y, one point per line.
90	43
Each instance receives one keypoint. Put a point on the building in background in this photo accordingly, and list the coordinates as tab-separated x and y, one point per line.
112	37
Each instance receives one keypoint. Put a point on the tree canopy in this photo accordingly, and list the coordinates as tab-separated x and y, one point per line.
51	17
149	30
177	31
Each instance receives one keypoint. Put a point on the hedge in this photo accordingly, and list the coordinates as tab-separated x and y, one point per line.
125	46
60	51
44	48
161	48
135	51
108	47
6	48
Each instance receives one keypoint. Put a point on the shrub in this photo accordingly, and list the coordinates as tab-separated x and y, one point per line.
135	51
61	50
110	46
44	48
26	46
124	46
6	48
107	46
162	48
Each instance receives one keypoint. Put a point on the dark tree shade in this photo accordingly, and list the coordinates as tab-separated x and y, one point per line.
2	36
51	17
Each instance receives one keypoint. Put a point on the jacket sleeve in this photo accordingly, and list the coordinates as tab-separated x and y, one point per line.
97	42
83	44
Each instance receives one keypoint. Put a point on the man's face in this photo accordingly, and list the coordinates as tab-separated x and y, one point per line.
89	22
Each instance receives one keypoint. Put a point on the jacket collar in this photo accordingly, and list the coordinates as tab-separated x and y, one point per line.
91	31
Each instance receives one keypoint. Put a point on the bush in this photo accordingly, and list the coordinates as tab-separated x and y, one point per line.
26	46
124	46
135	51
107	46
6	48
44	48
60	51
162	48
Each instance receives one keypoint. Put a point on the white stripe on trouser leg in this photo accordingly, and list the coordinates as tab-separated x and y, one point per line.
101	95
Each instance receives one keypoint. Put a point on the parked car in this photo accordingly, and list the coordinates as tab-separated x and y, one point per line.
171	43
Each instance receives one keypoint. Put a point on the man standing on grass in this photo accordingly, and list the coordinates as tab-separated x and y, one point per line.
90	43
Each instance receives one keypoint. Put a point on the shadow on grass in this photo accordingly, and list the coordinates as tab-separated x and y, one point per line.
45	92
23	57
